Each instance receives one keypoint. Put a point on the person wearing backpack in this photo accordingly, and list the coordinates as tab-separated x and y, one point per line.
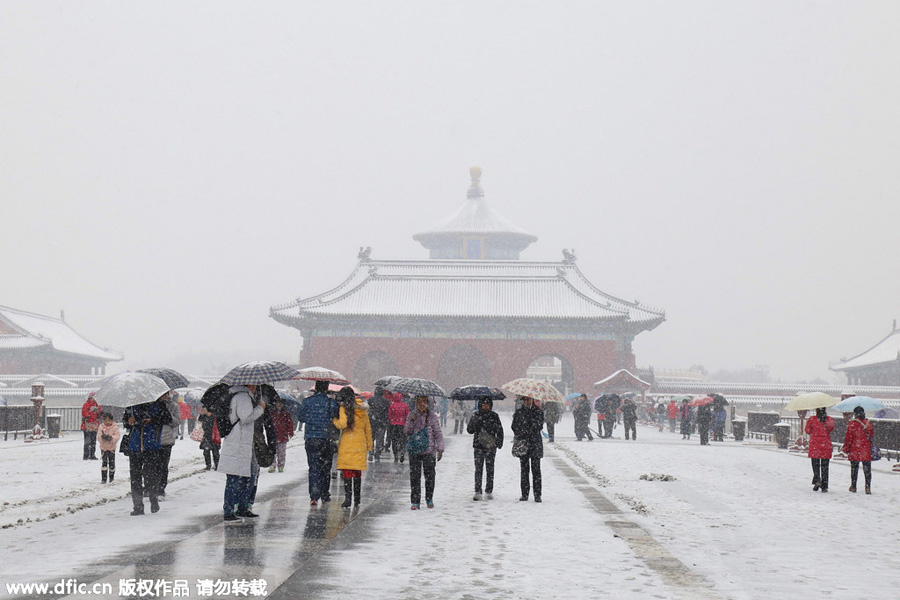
423	455
144	423
236	459
317	412
488	438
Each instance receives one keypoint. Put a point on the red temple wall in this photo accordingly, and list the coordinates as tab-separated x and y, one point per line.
591	360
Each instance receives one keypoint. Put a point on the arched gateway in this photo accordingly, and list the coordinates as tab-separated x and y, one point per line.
472	310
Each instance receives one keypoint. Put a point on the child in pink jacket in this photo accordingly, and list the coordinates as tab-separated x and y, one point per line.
108	435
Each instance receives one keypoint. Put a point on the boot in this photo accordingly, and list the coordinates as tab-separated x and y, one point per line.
348	494
357	488
138	500
112	475
103	475
154	504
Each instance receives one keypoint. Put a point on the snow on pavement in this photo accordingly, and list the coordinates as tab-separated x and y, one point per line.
741	517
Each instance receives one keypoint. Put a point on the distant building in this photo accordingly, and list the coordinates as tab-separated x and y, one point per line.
879	365
32	343
472	313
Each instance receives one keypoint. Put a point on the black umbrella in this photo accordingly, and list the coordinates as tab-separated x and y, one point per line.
719	399
387	380
416	387
173	378
477	392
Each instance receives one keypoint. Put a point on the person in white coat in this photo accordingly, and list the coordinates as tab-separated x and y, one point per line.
237	460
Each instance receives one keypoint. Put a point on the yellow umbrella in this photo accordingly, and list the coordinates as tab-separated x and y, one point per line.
811	401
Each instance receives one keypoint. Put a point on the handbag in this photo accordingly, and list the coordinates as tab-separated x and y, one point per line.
123	445
876	451
520	447
486	440
197	433
216	438
264	455
418	442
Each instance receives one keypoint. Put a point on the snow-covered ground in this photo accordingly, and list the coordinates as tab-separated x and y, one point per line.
734	520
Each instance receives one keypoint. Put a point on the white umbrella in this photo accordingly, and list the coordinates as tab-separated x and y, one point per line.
130	389
811	401
322	374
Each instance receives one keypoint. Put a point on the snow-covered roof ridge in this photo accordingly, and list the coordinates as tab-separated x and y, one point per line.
886	350
622	373
37	330
467	288
475	216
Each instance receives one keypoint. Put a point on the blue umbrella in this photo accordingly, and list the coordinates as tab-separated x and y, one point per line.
574	396
867	402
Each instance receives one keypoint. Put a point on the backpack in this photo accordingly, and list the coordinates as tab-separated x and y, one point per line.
217	400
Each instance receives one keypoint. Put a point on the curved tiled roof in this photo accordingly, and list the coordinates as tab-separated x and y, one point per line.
468	288
887	350
33	331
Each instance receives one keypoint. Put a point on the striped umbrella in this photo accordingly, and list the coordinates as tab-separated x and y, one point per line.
257	372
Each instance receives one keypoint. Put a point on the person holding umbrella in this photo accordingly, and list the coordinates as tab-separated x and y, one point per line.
426	447
528	420
819	430
858	447
488	438
144	423
237	459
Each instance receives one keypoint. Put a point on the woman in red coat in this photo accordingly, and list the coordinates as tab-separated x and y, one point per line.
819	430
858	447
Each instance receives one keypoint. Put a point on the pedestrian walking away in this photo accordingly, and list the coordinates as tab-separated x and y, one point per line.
685	414
672	413
317	413
487	439
426	448
528	420
552	416
237	459
355	443
819	430
629	418
211	442
398	412
284	431
378	419
704	418
169	436
109	435
858	447
582	413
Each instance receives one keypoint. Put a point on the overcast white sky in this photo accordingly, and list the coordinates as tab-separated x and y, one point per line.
169	171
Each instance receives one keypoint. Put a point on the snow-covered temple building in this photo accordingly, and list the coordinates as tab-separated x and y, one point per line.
879	365
471	313
33	343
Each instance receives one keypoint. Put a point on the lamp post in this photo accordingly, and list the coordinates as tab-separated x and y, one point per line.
37	396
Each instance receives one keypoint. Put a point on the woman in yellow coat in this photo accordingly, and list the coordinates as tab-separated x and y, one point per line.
355	444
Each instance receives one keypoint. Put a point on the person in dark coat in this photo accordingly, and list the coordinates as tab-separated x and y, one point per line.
704	417
528	420
144	423
629	418
582	413
378	418
858	447
209	447
819	430
684	412
488	438
316	412
552	415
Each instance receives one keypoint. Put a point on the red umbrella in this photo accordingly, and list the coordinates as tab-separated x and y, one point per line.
701	401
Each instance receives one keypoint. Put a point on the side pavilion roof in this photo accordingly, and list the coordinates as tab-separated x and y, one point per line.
887	350
24	330
468	289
